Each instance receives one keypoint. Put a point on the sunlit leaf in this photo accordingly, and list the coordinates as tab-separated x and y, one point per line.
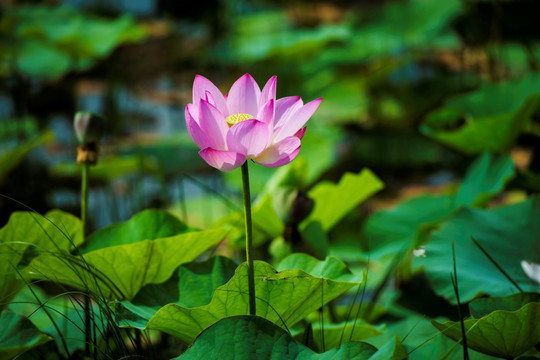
119	272
54	231
147	225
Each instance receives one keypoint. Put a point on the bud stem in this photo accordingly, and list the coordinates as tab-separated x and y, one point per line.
84	220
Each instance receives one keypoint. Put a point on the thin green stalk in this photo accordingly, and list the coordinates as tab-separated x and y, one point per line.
84	220
249	238
84	197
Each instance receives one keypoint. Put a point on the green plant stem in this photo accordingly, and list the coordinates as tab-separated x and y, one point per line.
84	219
249	238
84	198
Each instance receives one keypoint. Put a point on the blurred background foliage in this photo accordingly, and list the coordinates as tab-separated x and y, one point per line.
412	89
438	99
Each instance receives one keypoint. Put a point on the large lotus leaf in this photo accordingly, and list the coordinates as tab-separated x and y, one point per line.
331	268
54	231
422	341
18	335
508	233
253	337
121	271
494	116
147	225
64	311
266	224
282	297
505	334
334	201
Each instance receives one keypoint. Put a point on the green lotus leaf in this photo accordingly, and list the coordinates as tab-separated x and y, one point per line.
119	272
502	333
492	229
282	297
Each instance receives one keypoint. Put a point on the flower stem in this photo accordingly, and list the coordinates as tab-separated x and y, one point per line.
249	238
84	220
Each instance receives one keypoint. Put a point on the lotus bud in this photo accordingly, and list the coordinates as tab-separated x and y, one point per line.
88	126
89	130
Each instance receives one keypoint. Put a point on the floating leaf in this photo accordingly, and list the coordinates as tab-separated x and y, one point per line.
505	334
121	271
282	297
253	337
18	335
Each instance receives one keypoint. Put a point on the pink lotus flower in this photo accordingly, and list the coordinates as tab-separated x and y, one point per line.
246	124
